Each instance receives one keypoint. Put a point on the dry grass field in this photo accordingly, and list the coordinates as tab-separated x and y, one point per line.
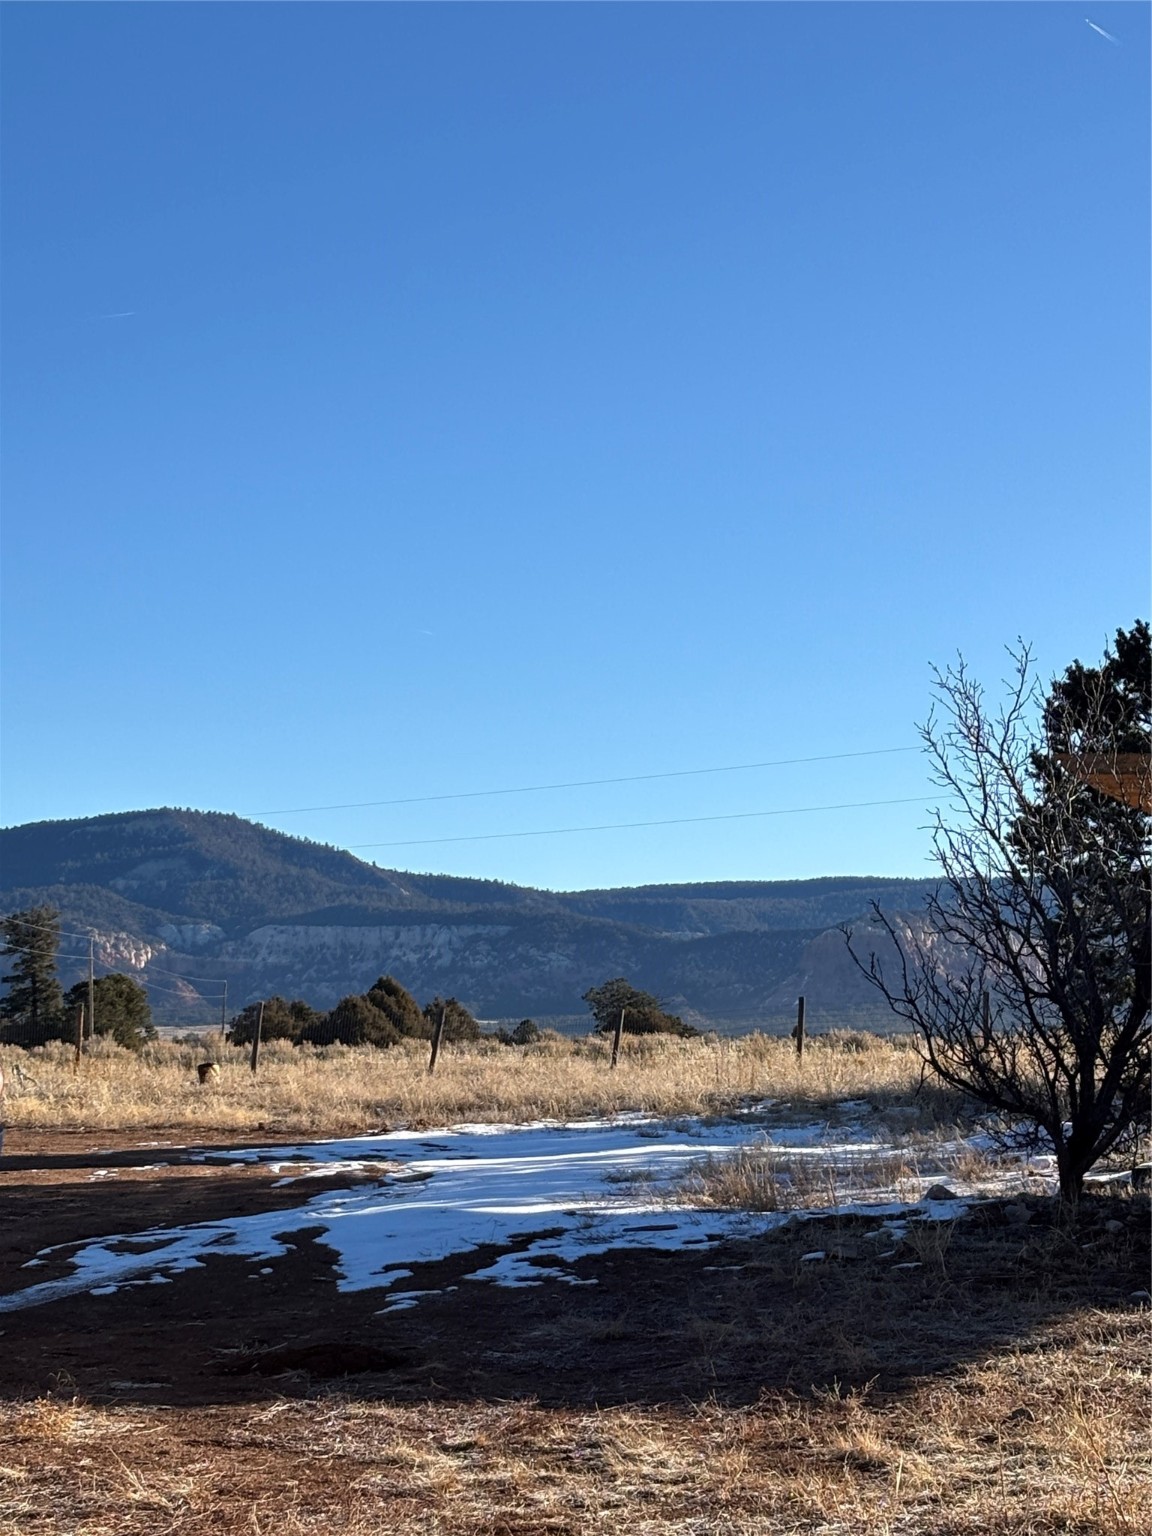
996	1382
1048	1436
340	1091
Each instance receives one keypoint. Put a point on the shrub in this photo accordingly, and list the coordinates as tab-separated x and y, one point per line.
400	1007
643	1013
458	1022
353	1021
282	1021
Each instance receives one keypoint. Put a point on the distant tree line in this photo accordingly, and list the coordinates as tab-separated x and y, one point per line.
35	1010
387	1013
383	1016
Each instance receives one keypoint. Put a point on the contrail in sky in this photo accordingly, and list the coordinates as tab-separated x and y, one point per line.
1106	35
119	314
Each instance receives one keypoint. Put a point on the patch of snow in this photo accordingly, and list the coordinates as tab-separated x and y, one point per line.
559	1190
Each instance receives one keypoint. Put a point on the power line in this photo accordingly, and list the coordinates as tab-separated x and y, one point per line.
610	826
533	789
676	821
144	980
101	937
157	986
166	970
109	968
64	933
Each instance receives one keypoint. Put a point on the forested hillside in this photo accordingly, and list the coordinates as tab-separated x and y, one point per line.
178	896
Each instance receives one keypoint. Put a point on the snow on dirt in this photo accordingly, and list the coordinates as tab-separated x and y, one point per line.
553	1192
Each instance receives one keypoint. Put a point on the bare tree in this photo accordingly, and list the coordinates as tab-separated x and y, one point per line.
1028	985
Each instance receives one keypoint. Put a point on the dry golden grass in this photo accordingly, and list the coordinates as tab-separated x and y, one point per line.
341	1091
774	1179
1051	1439
1049	1436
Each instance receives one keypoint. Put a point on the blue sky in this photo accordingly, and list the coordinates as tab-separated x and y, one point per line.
403	400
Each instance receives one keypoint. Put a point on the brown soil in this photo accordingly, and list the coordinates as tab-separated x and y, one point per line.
998	1389
718	1325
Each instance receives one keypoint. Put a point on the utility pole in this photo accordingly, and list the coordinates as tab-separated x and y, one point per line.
255	1058
79	1036
616	1038
437	1036
224	1015
90	1021
798	1032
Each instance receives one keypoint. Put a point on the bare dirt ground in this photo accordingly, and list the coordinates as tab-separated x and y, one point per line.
999	1383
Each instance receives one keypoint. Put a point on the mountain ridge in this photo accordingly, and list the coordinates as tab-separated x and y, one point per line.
171	893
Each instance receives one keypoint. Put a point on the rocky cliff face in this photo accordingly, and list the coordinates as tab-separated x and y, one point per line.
506	970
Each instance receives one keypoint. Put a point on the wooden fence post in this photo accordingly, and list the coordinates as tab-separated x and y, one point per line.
437	1036
90	1018
79	1036
616	1038
798	1032
255	1057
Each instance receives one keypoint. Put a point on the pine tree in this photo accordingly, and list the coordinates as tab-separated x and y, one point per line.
282	1020
459	1025
122	1009
400	1007
643	1013
353	1021
32	1010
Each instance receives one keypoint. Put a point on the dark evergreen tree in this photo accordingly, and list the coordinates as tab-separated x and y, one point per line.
400	1007
459	1025
1104	709
32	1010
282	1021
643	1013
353	1021
122	1009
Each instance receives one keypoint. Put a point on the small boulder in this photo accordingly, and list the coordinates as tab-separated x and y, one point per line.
940	1192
